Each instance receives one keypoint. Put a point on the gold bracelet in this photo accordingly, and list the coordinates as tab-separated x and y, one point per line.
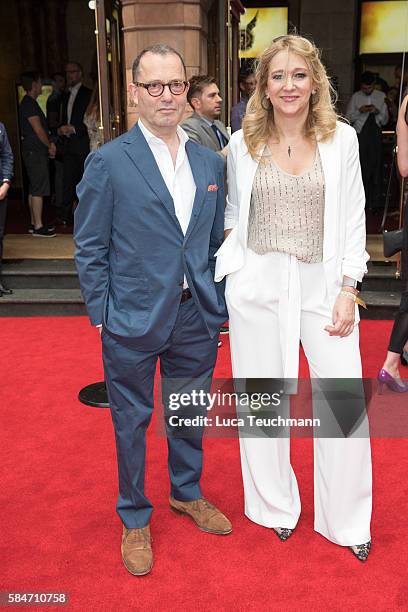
347	288
355	299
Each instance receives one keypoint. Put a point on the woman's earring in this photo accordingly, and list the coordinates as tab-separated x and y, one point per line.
269	106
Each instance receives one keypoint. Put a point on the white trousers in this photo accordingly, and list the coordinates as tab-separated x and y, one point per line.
273	302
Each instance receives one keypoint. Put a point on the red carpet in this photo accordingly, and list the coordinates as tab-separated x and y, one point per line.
60	531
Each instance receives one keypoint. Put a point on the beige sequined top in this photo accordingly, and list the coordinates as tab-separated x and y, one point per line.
287	211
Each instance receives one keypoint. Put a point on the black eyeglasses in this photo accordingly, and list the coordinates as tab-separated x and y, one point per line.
156	88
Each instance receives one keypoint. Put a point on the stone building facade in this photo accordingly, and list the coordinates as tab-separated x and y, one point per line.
43	34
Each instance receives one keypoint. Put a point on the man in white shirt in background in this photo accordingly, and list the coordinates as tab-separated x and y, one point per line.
367	112
74	138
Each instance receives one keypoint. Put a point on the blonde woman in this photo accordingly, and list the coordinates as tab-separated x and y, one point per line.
92	120
293	255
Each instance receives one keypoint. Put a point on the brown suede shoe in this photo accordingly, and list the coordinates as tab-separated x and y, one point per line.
137	551
206	516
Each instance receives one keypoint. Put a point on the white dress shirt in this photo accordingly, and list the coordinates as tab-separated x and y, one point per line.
359	99
72	95
178	178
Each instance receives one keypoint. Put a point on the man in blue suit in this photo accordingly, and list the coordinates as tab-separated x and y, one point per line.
149	220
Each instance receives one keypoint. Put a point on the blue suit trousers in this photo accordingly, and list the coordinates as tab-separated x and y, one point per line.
189	353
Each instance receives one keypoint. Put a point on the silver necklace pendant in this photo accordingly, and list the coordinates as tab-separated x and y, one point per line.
289	150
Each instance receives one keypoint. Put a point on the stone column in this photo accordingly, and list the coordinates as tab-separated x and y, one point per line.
181	24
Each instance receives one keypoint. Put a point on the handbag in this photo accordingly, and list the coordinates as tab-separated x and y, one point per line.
393	240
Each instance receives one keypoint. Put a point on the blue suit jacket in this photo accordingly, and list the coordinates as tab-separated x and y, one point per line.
131	253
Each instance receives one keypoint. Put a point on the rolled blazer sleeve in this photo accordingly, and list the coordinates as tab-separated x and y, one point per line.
92	234
355	256
232	207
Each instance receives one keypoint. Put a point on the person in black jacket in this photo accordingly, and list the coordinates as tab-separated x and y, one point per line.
6	173
74	134
54	110
389	374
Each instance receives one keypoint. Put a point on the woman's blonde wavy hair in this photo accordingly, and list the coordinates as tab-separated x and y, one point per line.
258	124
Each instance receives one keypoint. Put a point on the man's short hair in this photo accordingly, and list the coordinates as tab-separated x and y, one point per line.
28	78
158	49
244	74
197	85
57	74
367	78
77	64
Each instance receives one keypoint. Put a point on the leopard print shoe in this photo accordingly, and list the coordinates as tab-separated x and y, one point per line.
283	533
361	551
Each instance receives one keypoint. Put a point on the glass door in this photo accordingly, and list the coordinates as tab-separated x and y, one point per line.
110	77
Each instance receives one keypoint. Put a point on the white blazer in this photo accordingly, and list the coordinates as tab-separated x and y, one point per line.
344	240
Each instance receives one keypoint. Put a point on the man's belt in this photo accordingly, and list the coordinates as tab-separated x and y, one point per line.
185	295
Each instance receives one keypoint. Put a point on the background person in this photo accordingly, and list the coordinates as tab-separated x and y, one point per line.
6	174
391	101
294	253
397	77
247	84
204	126
389	374
54	112
92	120
54	102
368	113
75	137
36	149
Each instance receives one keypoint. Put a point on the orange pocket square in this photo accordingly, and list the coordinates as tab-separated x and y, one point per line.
212	188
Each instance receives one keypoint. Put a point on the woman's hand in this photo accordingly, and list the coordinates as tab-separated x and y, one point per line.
344	313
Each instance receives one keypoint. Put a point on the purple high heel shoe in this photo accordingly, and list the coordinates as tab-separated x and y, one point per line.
384	378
